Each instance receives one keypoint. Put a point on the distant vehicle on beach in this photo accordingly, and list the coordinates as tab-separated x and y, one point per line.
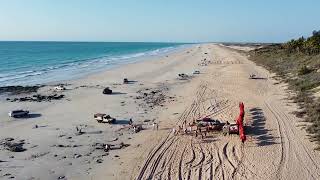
60	88
196	72
18	113
104	118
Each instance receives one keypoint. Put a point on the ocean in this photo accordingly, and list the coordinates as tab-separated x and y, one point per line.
31	63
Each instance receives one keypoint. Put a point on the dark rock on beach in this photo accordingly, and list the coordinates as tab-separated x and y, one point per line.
38	98
14	90
153	98
9	145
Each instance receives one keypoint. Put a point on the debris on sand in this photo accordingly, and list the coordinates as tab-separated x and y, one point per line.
79	130
10	145
99	161
14	90
61	177
9	139
77	156
114	139
34	156
153	98
37	98
108	147
115	146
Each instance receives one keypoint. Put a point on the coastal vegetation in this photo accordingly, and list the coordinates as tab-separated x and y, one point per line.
297	63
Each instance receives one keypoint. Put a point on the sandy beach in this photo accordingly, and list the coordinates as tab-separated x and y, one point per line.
276	147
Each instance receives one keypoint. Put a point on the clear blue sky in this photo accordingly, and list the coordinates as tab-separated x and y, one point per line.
158	20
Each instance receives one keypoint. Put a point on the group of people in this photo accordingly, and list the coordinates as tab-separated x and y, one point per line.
188	130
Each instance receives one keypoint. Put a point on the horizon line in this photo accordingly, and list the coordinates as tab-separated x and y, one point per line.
203	42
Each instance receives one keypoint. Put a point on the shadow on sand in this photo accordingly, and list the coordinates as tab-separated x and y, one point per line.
258	130
117	93
34	115
122	122
29	116
131	82
259	78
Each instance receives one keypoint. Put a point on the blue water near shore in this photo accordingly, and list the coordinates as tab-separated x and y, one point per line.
30	63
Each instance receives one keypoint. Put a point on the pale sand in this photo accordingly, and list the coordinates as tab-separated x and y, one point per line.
276	147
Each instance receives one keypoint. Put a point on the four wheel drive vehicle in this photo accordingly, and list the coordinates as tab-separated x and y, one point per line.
230	129
59	88
125	81
104	118
183	76
252	76
18	113
107	90
196	72
211	124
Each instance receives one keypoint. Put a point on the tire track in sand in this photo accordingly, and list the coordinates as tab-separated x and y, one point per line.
297	148
150	157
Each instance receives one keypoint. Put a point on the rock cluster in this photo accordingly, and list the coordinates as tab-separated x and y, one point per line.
10	145
37	98
13	90
153	98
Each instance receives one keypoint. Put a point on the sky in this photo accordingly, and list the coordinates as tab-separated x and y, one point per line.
158	20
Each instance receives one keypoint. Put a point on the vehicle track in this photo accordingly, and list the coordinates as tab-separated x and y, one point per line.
187	157
297	149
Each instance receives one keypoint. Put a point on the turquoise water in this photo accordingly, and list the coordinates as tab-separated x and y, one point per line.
29	63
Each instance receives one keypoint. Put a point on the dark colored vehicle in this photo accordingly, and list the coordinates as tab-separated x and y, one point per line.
18	113
211	124
107	91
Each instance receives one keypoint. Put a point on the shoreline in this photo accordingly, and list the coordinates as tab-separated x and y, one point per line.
82	99
96	70
25	90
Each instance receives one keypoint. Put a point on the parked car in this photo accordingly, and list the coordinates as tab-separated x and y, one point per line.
183	76
104	118
107	90
60	88
211	124
196	72
125	81
230	129
18	113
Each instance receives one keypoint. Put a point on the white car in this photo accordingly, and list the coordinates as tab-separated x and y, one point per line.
196	72
60	88
18	113
104	118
